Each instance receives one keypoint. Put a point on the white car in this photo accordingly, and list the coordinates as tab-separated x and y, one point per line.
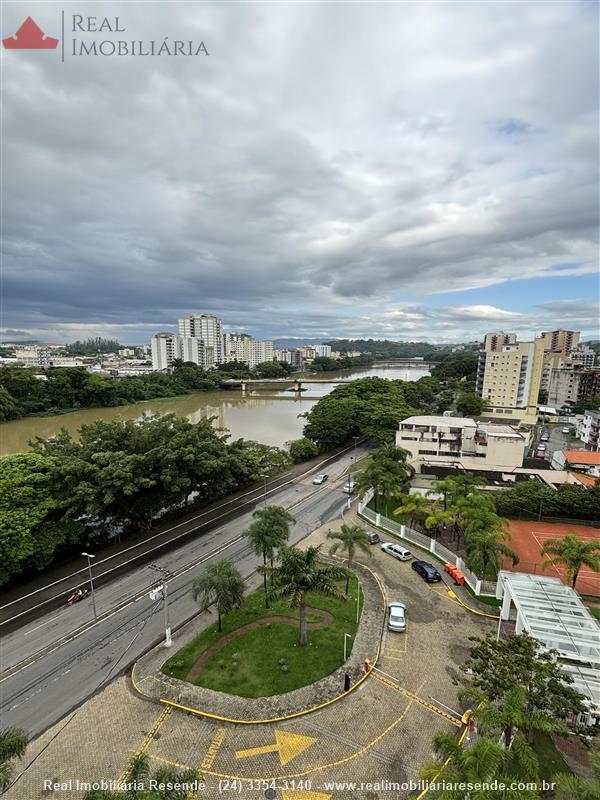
397	617
566	430
349	487
401	553
319	479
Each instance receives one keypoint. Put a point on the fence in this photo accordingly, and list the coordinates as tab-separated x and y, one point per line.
479	586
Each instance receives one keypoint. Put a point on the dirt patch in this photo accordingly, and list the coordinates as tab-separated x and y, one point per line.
203	658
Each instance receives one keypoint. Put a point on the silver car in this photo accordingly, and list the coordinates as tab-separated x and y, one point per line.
397	617
395	550
319	479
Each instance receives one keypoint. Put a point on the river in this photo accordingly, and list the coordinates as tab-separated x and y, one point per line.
268	415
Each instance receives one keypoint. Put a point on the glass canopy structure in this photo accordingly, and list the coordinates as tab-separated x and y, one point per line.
554	615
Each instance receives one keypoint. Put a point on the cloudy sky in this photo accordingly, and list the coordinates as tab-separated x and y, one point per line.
402	170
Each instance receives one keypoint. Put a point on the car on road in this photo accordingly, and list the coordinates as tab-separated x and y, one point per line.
397	617
427	571
401	553
374	538
319	479
541	447
349	486
565	430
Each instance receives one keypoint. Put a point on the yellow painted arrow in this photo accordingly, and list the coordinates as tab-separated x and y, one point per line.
298	794
288	745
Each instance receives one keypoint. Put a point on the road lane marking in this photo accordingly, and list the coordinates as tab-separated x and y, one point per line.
287	745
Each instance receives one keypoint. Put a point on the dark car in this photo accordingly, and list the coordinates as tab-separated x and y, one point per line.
427	571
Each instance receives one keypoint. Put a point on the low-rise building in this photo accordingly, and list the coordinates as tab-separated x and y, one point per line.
588	430
448	440
583	460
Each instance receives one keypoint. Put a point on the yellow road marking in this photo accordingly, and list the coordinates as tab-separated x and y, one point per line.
213	749
399	649
298	794
419	700
288	745
146	743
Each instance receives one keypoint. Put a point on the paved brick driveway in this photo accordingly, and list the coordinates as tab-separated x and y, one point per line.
379	735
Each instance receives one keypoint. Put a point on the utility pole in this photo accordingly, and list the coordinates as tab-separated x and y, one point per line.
89	556
162	589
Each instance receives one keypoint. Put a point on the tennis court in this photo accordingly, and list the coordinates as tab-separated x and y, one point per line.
528	538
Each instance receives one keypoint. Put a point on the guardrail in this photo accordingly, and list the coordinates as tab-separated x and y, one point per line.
477	584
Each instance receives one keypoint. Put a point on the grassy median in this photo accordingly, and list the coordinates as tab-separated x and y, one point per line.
267	660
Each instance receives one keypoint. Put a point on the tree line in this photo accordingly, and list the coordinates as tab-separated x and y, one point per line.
117	478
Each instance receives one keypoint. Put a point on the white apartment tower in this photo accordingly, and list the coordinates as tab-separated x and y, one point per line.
210	330
166	347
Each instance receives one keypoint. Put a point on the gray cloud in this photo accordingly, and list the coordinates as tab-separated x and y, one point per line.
326	161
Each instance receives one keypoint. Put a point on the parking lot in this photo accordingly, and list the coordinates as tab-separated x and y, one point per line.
378	736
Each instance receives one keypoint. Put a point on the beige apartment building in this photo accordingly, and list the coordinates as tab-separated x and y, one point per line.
461	441
509	375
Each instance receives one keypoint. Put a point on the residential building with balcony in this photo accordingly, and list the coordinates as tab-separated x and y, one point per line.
209	329
165	347
461	440
583	356
572	384
583	460
588	430
509	375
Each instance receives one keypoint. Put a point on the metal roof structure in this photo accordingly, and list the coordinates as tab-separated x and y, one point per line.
552	613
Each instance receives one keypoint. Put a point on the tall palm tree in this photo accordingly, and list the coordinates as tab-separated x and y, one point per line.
299	573
569	786
478	765
221	584
349	539
484	549
573	554
167	778
415	506
13	743
269	531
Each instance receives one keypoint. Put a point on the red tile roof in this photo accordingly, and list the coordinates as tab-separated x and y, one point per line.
582	457
587	480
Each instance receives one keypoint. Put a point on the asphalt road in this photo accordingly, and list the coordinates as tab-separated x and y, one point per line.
62	676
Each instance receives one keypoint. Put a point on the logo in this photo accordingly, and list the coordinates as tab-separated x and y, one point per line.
30	37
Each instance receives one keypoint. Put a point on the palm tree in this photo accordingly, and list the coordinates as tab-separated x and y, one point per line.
13	743
414	506
569	786
269	531
478	765
573	554
221	584
484	548
138	775
299	572
349	539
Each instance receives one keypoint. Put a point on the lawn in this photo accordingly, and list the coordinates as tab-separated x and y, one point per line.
551	761
268	660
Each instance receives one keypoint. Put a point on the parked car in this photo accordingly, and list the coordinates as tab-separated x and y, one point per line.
427	571
566	430
401	553
544	437
374	538
541	447
349	486
319	479
397	617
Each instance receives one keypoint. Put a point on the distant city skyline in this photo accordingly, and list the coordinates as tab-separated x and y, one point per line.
409	171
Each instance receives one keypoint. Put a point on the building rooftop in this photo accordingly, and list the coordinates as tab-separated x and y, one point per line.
554	614
453	422
582	457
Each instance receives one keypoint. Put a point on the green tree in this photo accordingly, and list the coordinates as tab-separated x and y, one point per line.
485	548
220	584
169	782
32	513
299	573
497	666
569	786
270	369
478	766
414	508
302	450
9	407
470	404
573	554
13	743
269	531
349	539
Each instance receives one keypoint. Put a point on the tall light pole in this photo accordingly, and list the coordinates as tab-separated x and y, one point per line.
499	623
356	438
346	637
357	598
162	589
89	557
265	476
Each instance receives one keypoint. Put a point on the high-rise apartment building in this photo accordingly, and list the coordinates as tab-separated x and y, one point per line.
560	341
166	347
583	356
323	350
209	329
588	430
241	347
509	374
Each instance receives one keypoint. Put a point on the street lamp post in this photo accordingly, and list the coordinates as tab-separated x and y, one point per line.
162	588
89	557
357	599
356	438
346	637
499	623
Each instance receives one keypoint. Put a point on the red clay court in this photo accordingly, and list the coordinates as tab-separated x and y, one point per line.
528	538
